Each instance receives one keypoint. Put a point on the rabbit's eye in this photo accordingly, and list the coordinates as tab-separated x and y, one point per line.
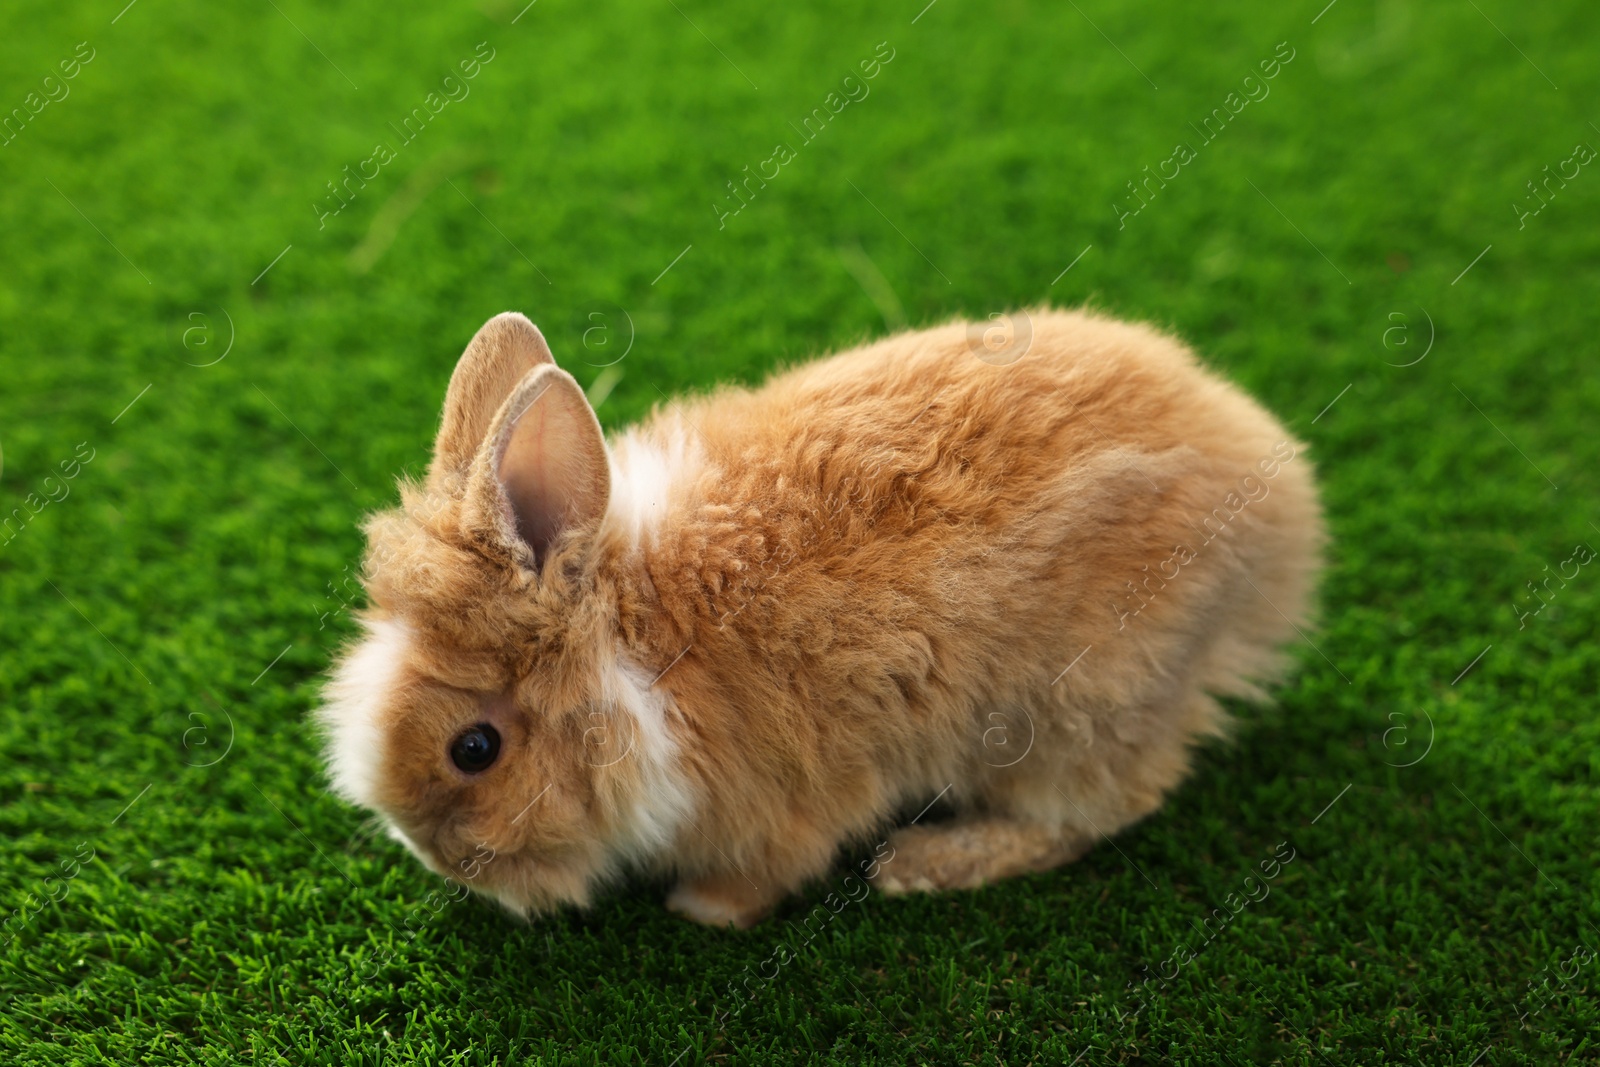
476	748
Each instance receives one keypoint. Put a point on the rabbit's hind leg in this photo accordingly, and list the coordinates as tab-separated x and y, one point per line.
972	851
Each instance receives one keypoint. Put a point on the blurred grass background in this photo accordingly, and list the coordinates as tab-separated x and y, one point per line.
165	613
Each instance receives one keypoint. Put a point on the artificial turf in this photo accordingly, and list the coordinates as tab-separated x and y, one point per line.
169	608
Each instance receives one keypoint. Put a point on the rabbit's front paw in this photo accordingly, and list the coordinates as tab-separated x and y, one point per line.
718	901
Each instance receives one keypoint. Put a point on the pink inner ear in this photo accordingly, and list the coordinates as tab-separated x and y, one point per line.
553	469
528	474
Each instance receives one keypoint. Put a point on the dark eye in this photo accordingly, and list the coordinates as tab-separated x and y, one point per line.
476	748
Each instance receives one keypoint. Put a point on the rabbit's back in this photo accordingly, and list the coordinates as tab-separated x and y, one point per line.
868	554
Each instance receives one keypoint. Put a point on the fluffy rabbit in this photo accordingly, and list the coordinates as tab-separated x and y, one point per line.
756	628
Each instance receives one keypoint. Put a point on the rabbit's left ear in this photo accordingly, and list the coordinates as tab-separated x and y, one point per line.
499	356
544	469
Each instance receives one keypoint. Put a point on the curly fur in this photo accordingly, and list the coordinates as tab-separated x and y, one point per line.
791	612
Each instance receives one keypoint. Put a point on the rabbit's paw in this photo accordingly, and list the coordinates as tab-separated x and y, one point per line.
721	901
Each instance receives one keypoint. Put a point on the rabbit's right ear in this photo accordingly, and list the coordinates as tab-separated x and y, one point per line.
499	356
542	471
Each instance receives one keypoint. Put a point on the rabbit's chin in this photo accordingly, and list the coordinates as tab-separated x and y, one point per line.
523	885
536	888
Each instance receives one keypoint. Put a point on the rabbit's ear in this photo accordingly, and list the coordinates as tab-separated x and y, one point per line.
544	468
499	356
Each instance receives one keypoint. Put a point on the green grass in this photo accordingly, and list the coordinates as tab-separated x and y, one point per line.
183	596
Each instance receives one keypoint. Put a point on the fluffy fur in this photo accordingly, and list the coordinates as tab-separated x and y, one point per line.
765	621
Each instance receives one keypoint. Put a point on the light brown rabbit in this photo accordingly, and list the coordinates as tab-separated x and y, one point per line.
753	629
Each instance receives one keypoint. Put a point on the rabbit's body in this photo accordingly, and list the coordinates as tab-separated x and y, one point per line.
897	574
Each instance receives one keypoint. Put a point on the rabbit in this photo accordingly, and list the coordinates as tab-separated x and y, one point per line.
747	634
